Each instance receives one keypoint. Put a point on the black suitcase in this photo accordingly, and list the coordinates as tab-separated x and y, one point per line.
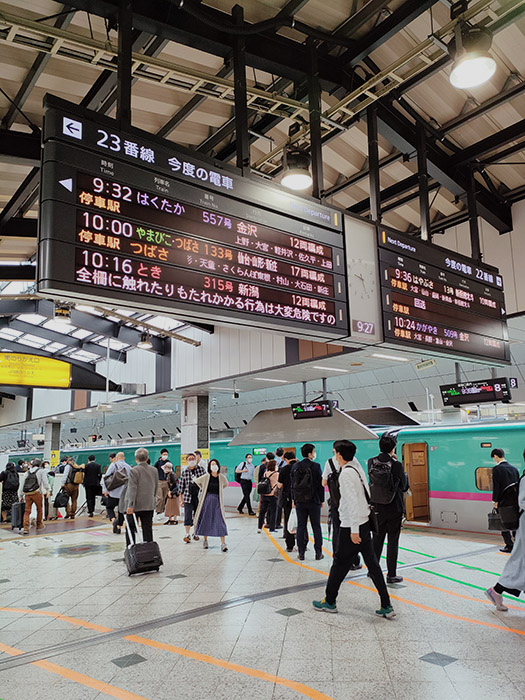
17	515
141	557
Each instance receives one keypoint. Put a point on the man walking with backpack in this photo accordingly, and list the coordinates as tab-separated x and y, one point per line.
31	490
388	483
73	477
308	496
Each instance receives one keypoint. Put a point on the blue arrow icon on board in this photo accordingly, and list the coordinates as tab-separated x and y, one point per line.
68	184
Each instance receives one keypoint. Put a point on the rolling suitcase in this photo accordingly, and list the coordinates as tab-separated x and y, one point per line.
141	557
17	515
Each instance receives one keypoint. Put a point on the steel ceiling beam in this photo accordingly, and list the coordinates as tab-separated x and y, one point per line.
22	198
67	340
34	73
18	148
26	273
488	145
18	227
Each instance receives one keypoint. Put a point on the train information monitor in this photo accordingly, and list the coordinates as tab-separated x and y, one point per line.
127	219
317	409
439	300
484	391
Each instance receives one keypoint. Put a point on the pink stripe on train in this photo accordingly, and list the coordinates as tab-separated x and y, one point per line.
461	495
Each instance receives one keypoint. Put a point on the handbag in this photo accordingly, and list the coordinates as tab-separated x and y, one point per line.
61	499
373	518
495	521
292	522
115	480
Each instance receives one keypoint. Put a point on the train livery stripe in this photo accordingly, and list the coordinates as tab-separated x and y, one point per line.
461	495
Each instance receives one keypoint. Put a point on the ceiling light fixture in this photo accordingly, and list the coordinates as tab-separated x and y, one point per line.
473	64
330	369
390	357
145	342
277	381
62	313
296	168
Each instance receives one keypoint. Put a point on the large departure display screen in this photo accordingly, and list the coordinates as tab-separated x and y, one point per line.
489	390
129	220
441	301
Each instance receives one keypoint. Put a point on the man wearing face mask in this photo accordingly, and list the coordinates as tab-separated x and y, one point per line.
246	469
189	493
308	496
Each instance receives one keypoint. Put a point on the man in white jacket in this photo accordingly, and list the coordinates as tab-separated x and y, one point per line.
354	537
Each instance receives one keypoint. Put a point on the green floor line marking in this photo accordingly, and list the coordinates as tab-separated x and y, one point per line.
414	551
475	568
465	583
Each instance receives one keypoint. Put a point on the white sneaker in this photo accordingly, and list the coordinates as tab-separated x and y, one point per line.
205	544
496	599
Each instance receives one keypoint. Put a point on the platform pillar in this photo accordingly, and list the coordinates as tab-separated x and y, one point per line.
52	443
195	424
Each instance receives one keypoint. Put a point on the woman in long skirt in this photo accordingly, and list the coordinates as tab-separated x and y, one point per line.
512	580
209	518
172	511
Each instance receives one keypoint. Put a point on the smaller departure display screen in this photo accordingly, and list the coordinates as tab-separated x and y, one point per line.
316	409
489	390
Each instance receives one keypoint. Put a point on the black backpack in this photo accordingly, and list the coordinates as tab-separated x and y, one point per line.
333	485
508	507
264	487
382	486
238	475
302	483
31	483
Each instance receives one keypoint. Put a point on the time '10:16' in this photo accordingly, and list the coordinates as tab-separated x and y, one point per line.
99	261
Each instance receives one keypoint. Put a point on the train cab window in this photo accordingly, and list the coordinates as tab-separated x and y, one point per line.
484	478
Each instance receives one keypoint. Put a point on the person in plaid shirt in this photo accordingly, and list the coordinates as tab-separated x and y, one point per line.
189	493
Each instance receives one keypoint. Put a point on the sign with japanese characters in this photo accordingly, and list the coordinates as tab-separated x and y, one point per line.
19	369
127	219
441	300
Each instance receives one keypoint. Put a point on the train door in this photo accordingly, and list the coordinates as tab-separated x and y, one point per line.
416	466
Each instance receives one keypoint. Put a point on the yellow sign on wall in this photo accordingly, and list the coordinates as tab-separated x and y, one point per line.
17	369
54	458
203	450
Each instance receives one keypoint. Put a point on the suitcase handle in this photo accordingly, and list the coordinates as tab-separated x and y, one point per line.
133	535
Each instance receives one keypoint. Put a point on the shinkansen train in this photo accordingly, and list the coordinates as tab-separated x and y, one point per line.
449	467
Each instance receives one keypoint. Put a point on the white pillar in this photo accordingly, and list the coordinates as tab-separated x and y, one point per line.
195	424
52	443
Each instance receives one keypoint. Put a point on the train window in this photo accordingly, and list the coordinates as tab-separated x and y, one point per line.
484	478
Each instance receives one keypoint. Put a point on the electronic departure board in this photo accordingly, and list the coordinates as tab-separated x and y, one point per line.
316	409
489	390
125	218
435	299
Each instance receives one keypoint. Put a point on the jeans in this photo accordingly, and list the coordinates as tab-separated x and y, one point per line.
30	498
246	486
269	508
345	553
91	497
390	526
336	528
145	518
312	511
72	492
111	504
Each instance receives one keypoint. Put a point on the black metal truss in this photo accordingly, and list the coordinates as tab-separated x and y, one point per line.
34	73
96	324
67	340
19	148
19	227
486	146
9	273
23	199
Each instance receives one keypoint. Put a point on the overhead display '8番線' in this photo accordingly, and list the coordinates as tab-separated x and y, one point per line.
127	219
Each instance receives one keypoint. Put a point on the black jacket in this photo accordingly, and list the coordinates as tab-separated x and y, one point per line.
397	505
503	474
285	478
92	474
158	465
317	480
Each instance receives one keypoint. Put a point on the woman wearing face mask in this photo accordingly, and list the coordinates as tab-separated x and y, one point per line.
245	470
172	502
209	518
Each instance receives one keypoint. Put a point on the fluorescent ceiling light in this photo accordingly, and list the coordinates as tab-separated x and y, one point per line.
220	388
165	410
390	357
134	400
330	369
277	381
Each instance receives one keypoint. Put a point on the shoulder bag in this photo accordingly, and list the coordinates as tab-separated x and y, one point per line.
373	520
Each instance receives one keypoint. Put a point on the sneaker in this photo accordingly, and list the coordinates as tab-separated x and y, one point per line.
259	531
25	532
496	599
301	557
90	515
224	548
196	538
324	606
290	550
187	539
394	579
319	556
387	612
507	550
205	544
